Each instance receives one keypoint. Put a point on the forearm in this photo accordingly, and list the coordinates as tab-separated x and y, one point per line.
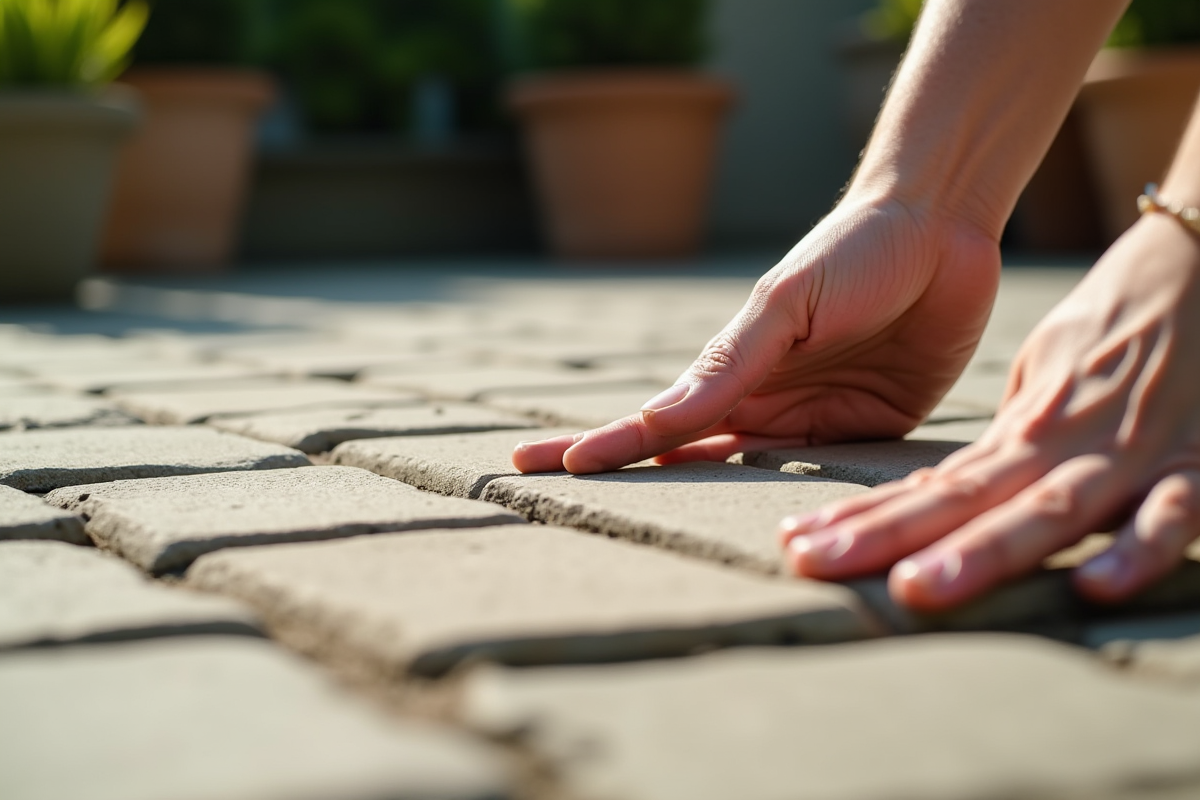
1182	184
984	88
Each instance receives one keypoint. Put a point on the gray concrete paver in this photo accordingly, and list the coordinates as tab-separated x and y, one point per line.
96	376
327	359
39	461
866	463
44	410
423	602
721	512
460	466
24	516
215	718
964	431
201	403
57	593
479	382
320	430
591	409
953	717
163	524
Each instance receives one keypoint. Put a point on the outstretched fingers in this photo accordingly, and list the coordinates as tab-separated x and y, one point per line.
1150	545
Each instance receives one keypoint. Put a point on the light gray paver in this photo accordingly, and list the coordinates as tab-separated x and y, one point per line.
56	593
455	465
23	516
867	463
320	430
215	718
201	403
163	524
718	511
529	594
327	359
975	395
29	411
963	431
145	375
476	383
964	717
1175	659
38	461
590	409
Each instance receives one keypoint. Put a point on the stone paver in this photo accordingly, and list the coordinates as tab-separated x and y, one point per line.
477	383
164	524
200	403
38	461
963	431
215	718
56	593
590	409
455	465
1170	658
29	411
326	359
530	594
143	375
939	718
24	516
976	395
320	430
867	463
718	511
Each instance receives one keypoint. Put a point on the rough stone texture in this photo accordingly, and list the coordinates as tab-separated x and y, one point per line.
144	375
530	594
326	359
56	593
26	412
164	524
963	717
214	719
963	431
476	383
23	516
455	465
38	461
718	511
202	403
867	463
590	409
320	430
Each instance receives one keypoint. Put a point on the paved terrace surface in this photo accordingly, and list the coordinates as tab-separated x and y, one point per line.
260	538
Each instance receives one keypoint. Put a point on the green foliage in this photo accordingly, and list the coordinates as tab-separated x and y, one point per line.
69	43
892	19
197	32
552	34
1158	23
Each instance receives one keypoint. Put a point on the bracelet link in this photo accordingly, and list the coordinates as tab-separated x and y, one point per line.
1151	203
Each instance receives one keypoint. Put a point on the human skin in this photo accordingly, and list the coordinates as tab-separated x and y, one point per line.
863	327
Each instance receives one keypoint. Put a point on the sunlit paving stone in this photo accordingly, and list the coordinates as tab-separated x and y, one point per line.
164	524
423	602
29	411
96	376
477	383
590	409
25	516
56	593
866	463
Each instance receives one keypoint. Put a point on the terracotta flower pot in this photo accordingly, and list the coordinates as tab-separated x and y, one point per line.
57	151
622	161
181	181
1134	106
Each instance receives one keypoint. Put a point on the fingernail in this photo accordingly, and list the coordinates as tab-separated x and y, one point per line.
934	570
825	546
799	523
1104	568
667	398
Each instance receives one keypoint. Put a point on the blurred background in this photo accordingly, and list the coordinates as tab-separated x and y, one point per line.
264	132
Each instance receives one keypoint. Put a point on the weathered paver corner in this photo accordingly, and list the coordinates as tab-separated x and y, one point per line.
25	516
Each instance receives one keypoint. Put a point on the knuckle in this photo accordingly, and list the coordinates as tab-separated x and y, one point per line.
958	488
721	355
1178	501
1052	501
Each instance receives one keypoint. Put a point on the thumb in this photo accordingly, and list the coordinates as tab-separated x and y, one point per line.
731	366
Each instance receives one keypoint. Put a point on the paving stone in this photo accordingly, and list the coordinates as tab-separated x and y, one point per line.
590	409
12	386
477	383
199	404
460	466
38	461
530	594
320	430
1177	659
966	717
326	359
722	512
142	375
25	412
963	431
976	395
57	593
163	524
867	463
24	516
215	718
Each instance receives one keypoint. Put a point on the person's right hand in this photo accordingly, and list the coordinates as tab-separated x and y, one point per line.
856	334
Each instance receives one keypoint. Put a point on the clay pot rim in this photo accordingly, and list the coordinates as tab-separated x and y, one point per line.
618	85
114	110
1113	65
201	83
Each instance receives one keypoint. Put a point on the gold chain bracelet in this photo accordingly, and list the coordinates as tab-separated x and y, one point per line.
1150	202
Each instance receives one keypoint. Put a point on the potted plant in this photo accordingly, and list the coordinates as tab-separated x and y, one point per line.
60	128
1136	100
621	133
181	181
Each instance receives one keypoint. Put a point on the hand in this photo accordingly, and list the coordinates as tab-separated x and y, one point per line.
1100	428
856	334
